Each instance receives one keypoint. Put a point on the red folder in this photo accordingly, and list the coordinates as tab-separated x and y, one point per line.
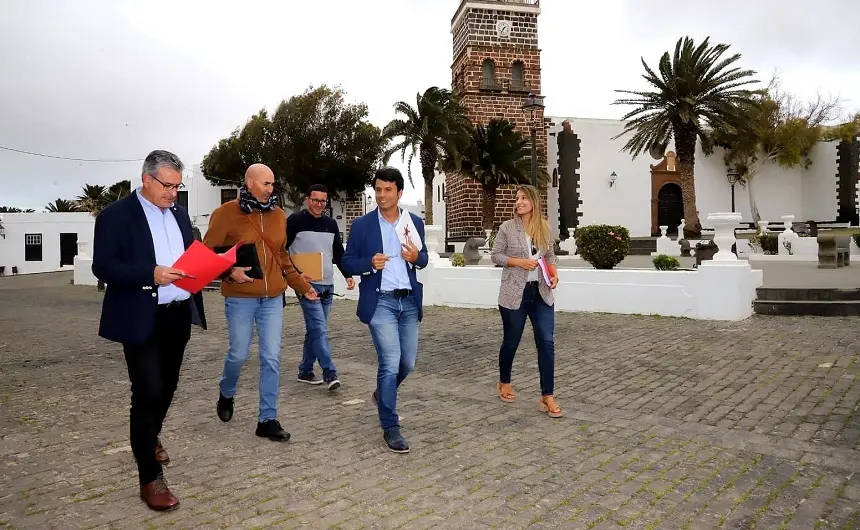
202	265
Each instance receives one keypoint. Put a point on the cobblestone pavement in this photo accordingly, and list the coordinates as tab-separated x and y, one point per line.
671	424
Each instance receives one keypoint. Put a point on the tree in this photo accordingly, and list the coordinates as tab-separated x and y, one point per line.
433	126
15	209
778	129
92	199
494	155
62	205
315	137
96	197
696	92
117	191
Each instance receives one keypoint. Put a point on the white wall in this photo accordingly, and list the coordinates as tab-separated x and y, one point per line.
807	194
50	226
819	185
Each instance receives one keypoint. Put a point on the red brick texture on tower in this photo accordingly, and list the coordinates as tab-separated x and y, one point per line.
496	65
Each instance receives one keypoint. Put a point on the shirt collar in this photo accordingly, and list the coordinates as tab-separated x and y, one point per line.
147	204
383	219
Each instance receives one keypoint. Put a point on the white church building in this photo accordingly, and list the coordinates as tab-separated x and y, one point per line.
608	186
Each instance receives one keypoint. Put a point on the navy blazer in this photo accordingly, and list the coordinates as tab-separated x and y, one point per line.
365	241
124	258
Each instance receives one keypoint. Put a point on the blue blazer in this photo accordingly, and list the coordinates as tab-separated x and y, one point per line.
124	258
365	241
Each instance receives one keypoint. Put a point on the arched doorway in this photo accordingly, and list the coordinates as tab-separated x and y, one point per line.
670	207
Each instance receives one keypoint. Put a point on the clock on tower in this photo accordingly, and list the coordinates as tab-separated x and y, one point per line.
496	65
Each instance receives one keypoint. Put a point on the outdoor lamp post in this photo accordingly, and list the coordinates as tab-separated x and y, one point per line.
733	177
532	104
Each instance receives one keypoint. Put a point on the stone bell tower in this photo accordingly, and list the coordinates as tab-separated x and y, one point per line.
496	66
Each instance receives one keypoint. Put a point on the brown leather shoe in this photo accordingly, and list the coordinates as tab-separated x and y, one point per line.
161	455
157	495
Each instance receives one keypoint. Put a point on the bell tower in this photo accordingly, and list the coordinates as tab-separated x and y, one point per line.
496	66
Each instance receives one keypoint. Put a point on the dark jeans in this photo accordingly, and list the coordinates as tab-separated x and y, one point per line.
153	368
542	317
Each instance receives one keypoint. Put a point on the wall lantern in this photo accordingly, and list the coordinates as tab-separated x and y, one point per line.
612	178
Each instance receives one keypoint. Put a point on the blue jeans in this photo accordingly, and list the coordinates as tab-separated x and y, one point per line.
394	330
542	317
241	315
316	332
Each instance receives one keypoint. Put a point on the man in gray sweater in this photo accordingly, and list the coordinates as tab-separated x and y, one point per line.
311	231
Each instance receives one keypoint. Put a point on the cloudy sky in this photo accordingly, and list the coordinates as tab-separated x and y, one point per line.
114	79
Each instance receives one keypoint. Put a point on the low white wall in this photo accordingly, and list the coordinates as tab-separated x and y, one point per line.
715	291
719	290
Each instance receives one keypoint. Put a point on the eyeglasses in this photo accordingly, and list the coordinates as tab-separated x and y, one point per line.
320	202
169	187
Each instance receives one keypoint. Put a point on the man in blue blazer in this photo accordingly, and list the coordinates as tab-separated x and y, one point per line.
136	241
390	296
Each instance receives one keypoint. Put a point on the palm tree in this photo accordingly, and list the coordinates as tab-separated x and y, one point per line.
432	125
496	155
92	199
62	205
117	191
696	92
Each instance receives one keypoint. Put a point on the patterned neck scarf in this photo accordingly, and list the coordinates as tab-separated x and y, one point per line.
248	203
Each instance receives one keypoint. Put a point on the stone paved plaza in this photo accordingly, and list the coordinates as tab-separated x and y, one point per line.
671	424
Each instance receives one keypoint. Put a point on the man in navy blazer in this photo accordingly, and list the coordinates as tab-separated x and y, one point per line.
136	241
390	295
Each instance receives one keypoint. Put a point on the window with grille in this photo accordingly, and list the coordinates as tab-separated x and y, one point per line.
32	247
229	194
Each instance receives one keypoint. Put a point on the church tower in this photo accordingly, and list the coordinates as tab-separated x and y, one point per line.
496	66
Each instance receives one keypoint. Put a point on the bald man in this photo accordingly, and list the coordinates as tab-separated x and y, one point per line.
254	217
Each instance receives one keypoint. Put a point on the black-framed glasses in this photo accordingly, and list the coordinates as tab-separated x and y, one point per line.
169	187
320	202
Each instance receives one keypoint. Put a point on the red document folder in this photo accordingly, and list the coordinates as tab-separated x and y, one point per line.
202	266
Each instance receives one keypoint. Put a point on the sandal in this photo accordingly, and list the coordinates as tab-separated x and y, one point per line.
548	405
506	392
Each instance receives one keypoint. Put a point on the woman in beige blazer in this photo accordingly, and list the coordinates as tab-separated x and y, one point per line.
524	292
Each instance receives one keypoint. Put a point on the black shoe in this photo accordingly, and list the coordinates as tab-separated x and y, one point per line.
225	408
272	430
309	378
332	382
395	441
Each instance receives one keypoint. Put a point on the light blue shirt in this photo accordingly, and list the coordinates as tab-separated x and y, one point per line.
168	244
394	275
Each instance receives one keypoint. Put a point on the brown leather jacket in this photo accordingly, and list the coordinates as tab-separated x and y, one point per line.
229	225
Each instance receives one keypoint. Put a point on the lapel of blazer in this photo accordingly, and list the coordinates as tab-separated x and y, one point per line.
142	223
376	233
521	236
184	223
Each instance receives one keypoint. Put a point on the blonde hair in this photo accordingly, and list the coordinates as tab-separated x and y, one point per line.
537	227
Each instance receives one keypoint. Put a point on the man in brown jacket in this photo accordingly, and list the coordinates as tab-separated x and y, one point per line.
254	217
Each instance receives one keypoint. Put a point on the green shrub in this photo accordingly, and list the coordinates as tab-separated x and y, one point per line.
604	246
458	260
856	238
768	243
662	262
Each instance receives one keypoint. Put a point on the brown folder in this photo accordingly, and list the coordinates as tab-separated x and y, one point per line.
310	263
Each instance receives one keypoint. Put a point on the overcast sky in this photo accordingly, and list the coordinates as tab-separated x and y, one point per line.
118	78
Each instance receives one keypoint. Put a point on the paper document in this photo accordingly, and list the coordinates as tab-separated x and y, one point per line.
547	270
406	230
310	263
203	264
